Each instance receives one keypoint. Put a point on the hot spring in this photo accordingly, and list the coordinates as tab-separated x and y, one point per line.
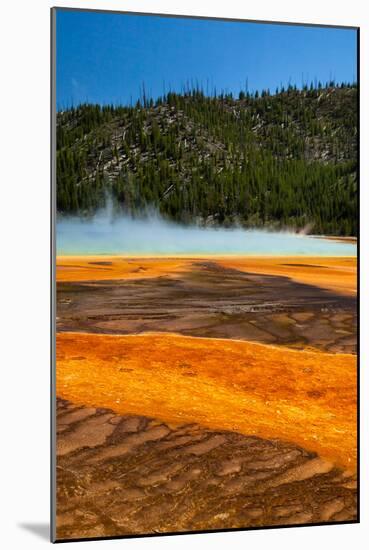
105	234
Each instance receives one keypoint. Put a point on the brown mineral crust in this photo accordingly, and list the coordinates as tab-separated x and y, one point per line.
211	300
137	475
171	418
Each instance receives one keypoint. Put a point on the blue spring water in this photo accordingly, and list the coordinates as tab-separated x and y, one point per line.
124	235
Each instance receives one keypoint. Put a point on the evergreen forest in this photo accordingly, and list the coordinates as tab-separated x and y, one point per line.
286	159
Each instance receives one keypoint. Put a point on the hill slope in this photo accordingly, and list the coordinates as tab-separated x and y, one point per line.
283	160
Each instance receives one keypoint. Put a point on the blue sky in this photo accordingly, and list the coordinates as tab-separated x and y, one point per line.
105	57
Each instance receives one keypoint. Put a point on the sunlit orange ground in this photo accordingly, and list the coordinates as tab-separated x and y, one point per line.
104	268
334	273
304	397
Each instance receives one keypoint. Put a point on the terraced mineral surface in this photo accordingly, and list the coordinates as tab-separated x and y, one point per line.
204	393
206	298
126	474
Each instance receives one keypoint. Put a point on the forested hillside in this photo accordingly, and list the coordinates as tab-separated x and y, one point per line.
258	160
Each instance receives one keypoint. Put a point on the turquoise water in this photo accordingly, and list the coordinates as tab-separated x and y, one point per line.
123	235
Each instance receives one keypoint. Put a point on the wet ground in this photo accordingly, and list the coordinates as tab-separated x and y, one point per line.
213	301
132	474
121	474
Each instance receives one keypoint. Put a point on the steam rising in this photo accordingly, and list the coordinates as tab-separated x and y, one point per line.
109	233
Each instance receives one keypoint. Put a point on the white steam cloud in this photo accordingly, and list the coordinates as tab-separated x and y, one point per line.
109	233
